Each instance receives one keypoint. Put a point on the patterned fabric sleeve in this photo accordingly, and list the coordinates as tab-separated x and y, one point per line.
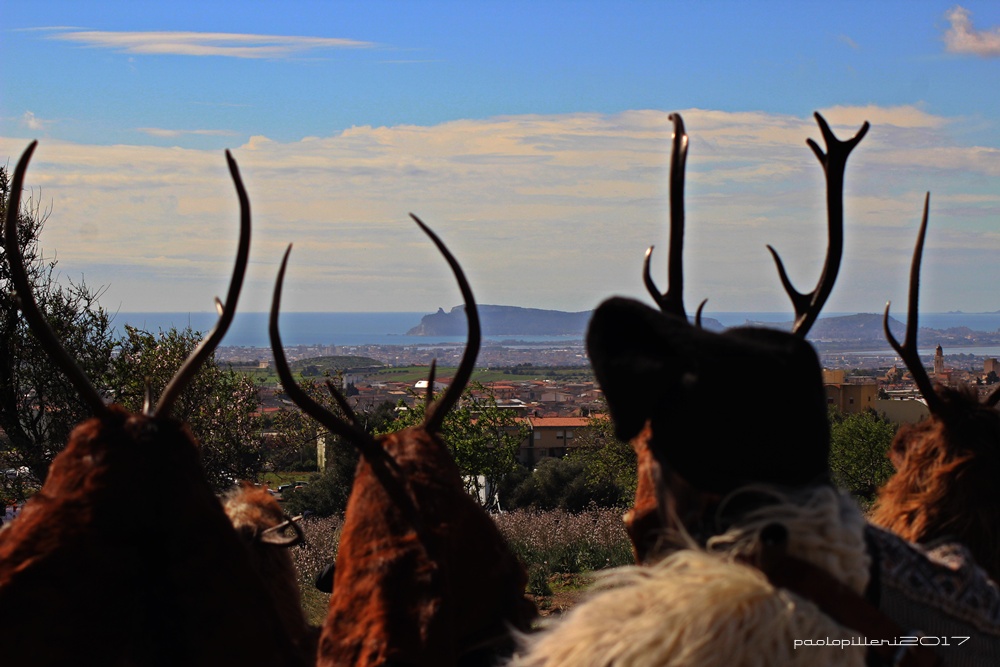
942	594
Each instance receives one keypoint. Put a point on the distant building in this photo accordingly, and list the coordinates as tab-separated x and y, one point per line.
421	386
939	361
908	411
848	397
991	366
550	437
851	398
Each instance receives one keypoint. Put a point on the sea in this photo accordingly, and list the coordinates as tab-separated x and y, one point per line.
347	329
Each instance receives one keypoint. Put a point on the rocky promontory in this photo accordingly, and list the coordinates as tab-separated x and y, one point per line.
504	321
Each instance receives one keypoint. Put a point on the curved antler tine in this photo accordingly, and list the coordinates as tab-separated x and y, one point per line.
26	300
834	161
383	467
211	341
800	301
430	384
647	279
435	413
697	313
275	534
364	442
908	350
348	411
678	160
672	301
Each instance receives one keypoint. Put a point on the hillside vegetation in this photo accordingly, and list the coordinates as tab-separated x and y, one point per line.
318	366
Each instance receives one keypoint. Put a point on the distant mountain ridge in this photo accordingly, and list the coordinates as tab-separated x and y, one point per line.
504	320
513	321
862	327
859	331
865	330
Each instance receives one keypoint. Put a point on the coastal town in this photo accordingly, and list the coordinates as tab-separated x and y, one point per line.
551	388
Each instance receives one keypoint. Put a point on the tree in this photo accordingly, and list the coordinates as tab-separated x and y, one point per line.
38	407
296	437
610	463
564	484
484	440
220	405
859	446
600	470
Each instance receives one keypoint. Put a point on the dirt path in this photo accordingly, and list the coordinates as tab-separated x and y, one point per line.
567	590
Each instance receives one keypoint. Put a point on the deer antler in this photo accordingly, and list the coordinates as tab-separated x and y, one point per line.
429	394
672	301
26	300
347	430
383	466
226	312
345	407
435	413
908	351
834	161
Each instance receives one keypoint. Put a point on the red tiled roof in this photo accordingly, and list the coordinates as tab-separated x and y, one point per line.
564	422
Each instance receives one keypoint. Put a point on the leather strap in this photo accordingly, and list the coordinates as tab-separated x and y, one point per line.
837	601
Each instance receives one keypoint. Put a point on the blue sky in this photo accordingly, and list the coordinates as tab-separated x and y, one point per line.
532	137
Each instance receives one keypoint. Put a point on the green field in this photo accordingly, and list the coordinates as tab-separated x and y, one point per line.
411	374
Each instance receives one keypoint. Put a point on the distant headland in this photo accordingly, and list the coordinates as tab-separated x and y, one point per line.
504	320
513	321
859	331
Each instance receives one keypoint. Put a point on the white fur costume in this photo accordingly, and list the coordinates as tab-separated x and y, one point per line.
699	608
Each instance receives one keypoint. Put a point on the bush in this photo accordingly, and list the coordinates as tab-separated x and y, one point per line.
318	551
538	580
327	493
565	542
564	484
507	488
859	445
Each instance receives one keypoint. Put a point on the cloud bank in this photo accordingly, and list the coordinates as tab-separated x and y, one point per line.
165	133
549	211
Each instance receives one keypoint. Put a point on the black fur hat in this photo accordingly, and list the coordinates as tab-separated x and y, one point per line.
727	409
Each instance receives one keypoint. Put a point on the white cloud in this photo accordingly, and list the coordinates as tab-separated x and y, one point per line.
544	211
33	122
962	37
167	133
233	45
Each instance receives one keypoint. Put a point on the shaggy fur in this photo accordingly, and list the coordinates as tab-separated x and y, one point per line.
946	482
253	510
421	591
703	609
825	527
125	557
644	522
692	609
